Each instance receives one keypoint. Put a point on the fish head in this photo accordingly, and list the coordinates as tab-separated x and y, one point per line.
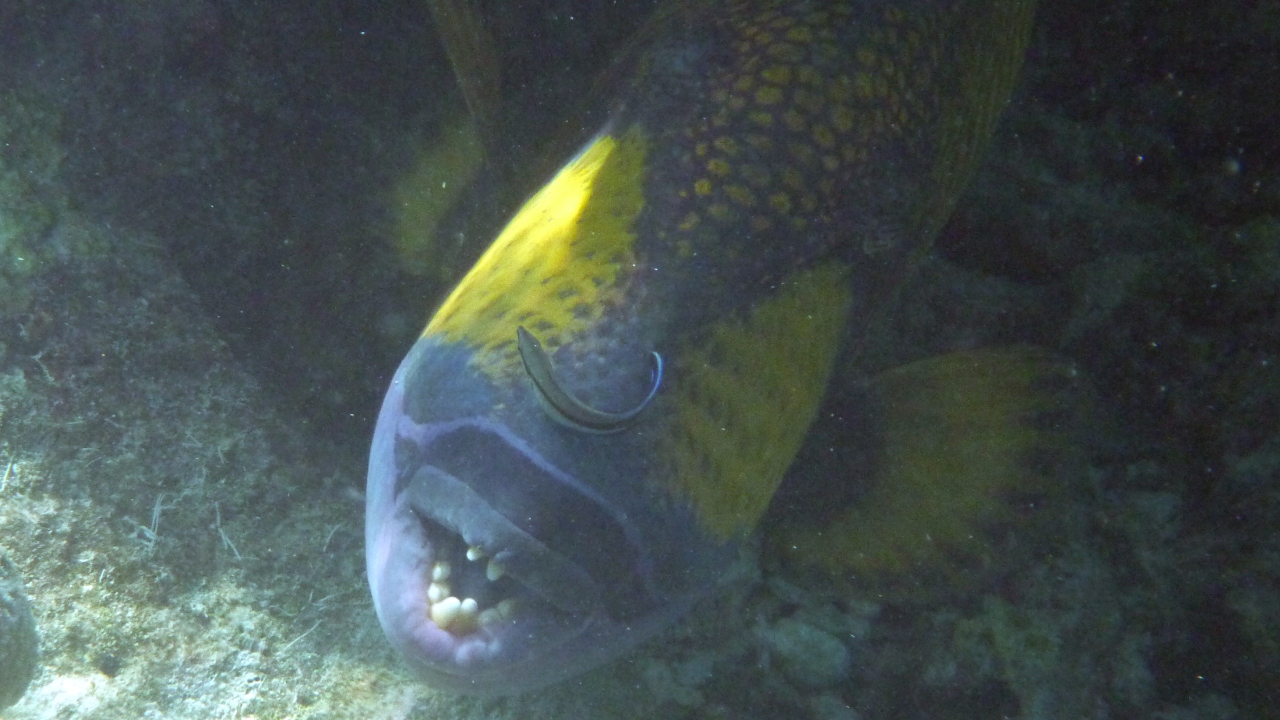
535	510
505	551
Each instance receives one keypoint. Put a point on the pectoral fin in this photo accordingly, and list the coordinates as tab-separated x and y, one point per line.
968	448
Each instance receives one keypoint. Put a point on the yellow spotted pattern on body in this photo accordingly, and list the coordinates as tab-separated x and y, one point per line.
560	263
832	135
729	449
811	110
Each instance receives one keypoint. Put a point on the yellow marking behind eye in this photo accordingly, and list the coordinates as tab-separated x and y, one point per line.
568	248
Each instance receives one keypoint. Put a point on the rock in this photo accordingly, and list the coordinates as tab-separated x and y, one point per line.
808	656
19	645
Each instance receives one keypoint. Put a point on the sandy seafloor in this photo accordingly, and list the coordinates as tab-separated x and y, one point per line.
199	307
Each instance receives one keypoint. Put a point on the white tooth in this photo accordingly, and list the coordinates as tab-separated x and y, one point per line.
490	617
437	592
445	612
494	570
469	609
440	571
474	553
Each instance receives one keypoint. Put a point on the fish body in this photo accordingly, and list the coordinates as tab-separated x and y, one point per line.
598	415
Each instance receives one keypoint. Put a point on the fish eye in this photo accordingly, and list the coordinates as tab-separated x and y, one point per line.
562	406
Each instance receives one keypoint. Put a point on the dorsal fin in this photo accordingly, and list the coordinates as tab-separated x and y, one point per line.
473	55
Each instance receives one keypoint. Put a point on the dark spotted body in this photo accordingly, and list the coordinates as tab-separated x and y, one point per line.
789	133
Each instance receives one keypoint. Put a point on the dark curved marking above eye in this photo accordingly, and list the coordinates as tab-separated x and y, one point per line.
567	409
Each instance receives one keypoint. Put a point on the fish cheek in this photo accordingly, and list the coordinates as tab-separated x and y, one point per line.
396	550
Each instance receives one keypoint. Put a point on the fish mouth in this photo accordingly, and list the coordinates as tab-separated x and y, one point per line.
464	530
504	565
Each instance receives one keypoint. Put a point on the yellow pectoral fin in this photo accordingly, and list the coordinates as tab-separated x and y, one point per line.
428	193
743	400
971	446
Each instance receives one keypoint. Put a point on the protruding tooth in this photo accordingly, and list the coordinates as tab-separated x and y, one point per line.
440	571
474	553
506	608
496	614
494	570
469	608
445	612
437	591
